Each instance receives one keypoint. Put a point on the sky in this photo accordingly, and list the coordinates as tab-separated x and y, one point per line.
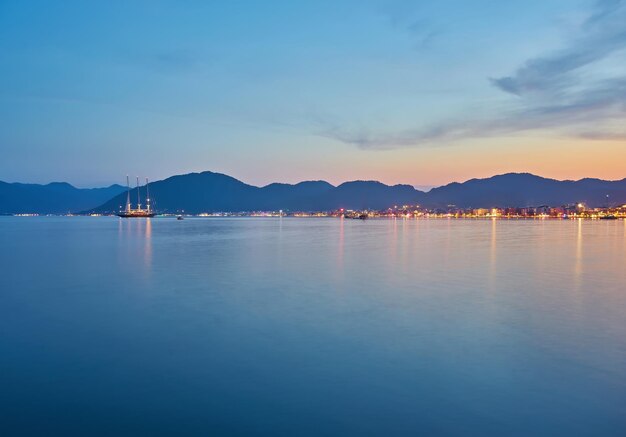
415	92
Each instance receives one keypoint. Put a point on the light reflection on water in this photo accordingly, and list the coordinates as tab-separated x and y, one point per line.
493	255
134	236
578	267
312	327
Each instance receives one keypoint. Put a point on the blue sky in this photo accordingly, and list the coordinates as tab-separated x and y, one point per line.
400	91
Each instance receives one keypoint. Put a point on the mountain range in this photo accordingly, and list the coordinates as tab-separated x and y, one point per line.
524	189
210	192
53	198
213	192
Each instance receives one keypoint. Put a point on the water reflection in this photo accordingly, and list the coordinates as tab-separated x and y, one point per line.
135	237
405	256
493	255
340	244
147	253
429	349
448	242
394	242
578	265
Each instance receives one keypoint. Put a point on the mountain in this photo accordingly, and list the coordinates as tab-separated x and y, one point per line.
213	192
53	198
210	192
524	189
373	195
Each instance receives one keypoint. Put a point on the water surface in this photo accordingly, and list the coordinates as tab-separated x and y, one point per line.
312	327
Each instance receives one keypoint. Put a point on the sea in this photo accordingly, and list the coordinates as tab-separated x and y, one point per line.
312	327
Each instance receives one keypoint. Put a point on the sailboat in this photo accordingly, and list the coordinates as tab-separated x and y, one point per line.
129	212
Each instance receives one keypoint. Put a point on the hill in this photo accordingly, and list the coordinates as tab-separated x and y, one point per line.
215	192
211	192
525	189
53	198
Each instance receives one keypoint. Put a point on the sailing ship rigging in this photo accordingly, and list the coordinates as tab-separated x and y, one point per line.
129	211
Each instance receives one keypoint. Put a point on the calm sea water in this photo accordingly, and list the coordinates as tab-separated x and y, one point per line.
312	327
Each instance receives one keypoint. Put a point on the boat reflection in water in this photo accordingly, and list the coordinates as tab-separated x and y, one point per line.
129	212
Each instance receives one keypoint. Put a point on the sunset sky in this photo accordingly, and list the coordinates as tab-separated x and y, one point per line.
417	92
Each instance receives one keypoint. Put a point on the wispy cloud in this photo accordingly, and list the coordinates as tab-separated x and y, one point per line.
406	17
567	91
165	61
601	35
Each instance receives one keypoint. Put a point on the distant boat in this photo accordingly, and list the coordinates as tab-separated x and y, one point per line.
180	217
138	212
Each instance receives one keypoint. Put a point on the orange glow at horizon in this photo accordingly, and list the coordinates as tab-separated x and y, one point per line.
554	158
550	157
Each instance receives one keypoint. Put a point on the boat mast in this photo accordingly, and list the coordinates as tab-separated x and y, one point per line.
127	194
138	198
147	195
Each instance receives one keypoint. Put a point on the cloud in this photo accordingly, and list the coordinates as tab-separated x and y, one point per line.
164	61
569	92
601	35
407	17
583	116
368	140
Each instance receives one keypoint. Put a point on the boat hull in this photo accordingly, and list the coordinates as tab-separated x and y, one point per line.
136	214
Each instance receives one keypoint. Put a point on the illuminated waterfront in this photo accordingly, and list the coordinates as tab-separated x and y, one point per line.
312	327
415	211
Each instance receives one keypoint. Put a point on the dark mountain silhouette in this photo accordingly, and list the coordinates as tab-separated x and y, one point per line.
524	189
211	192
375	195
302	196
53	198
